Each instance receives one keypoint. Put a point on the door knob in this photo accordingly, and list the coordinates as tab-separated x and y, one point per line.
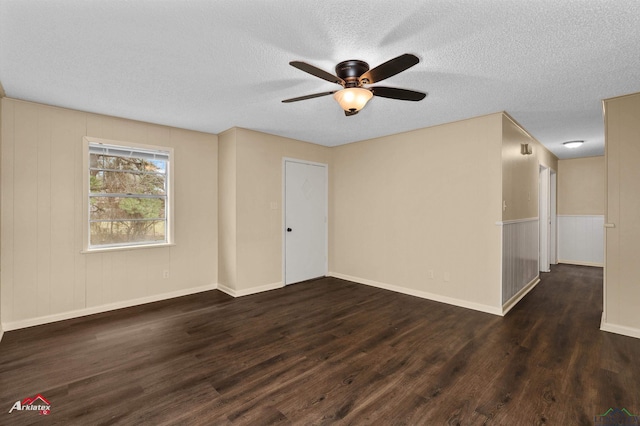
288	229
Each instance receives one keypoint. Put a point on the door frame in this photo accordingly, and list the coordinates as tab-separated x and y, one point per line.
547	220
284	213
543	218
553	214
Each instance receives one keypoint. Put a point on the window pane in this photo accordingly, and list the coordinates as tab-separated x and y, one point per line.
101	161
128	194
118	208
127	183
127	232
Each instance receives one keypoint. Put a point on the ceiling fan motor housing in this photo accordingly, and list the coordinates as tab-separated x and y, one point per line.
350	71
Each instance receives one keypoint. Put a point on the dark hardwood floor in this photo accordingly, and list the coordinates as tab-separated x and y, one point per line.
329	351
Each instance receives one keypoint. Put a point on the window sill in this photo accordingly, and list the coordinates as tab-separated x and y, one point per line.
125	248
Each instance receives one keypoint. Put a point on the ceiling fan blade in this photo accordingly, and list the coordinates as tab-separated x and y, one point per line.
315	95
303	66
389	68
395	93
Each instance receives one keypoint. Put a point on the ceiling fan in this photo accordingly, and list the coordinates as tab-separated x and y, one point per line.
353	74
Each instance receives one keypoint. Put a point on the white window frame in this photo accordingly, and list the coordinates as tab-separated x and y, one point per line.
86	234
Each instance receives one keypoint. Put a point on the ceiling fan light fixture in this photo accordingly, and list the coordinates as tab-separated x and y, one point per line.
353	99
572	144
352	74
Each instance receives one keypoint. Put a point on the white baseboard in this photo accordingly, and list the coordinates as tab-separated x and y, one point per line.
519	295
15	325
580	263
619	329
247	291
422	294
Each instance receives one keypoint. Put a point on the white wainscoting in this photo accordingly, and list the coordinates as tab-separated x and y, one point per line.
581	239
519	258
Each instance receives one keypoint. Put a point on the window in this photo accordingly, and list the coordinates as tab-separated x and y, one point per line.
128	196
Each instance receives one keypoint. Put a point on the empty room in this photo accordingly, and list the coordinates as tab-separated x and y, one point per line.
286	212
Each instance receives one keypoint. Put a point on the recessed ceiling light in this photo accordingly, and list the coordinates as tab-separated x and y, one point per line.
573	144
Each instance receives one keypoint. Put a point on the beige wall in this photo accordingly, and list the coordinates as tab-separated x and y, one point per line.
426	200
227	214
415	212
1	163
258	205
622	268
43	272
581	186
520	173
545	157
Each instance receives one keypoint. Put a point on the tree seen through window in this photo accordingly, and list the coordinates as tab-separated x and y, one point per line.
128	196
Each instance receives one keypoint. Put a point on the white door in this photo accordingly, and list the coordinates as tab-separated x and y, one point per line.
305	221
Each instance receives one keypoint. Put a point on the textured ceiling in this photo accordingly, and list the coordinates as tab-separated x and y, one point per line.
211	65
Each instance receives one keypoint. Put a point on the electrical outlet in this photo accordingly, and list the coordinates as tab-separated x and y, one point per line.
430	274
165	273
447	277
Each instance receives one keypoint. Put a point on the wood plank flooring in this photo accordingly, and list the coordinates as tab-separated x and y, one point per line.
329	351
